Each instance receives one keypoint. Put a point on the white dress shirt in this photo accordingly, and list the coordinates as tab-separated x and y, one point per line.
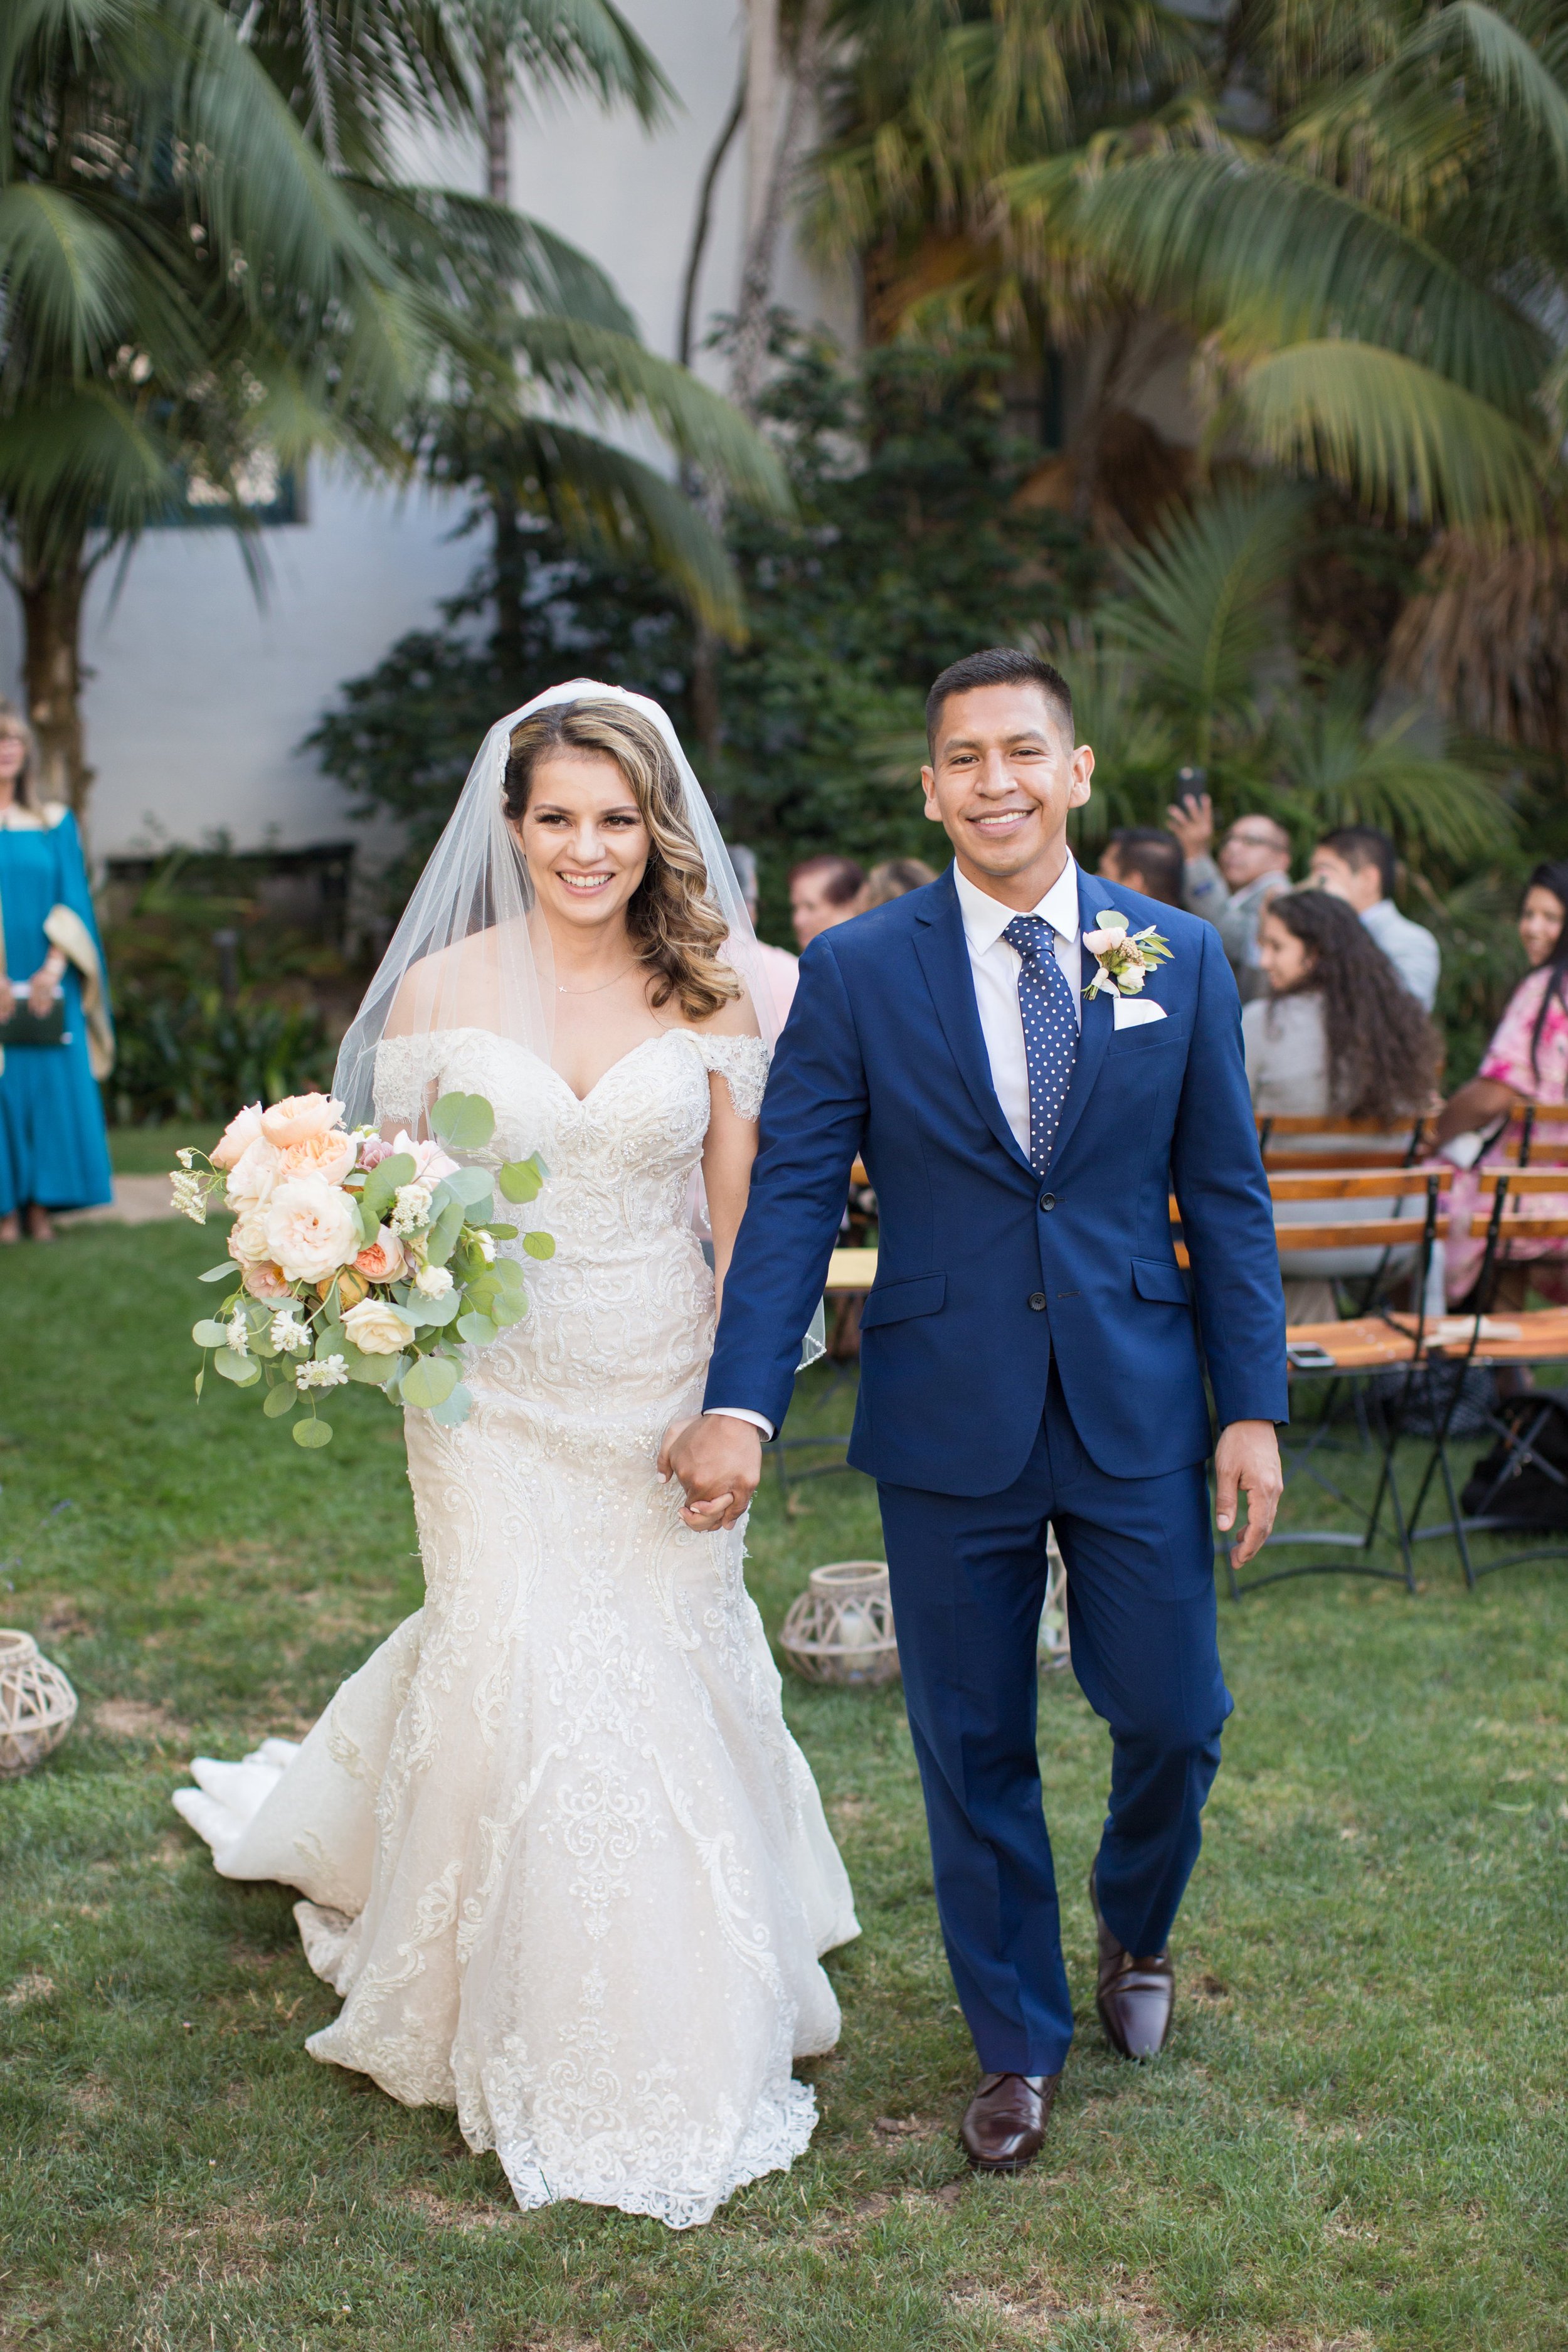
995	967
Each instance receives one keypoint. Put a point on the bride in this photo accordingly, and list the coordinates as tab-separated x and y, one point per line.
560	1855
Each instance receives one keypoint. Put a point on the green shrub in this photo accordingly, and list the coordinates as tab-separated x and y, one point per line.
192	1056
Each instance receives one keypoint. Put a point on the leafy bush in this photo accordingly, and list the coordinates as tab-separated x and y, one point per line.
194	1057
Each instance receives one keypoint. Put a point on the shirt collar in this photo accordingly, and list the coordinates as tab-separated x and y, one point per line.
985	919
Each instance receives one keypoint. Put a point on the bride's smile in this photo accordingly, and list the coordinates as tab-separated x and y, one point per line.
587	849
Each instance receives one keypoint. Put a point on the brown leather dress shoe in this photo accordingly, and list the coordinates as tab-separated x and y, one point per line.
1135	1997
1005	2121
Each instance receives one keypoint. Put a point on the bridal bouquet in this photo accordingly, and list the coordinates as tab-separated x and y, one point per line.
356	1259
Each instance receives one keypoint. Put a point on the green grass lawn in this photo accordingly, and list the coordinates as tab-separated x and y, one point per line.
1355	2140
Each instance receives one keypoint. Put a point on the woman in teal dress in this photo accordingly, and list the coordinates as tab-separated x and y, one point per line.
54	1153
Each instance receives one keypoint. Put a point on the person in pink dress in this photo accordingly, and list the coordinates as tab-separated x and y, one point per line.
1527	1061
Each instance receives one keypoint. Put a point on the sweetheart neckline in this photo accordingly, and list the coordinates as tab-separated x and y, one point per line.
582	1101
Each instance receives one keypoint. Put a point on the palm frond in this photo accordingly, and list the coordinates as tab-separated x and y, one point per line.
616	375
1404	441
1283	259
1337	772
61	269
610	501
1196	606
487	250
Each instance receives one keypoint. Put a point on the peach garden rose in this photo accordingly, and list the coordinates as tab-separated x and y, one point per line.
298	1116
311	1228
241	1132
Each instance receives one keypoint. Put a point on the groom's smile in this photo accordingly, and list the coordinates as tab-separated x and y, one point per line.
1004	773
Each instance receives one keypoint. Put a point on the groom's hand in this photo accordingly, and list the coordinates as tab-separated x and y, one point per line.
1247	1459
718	1461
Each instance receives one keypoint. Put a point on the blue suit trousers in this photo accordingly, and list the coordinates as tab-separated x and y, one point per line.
968	1578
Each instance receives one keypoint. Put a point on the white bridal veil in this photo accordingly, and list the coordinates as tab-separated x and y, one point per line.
466	955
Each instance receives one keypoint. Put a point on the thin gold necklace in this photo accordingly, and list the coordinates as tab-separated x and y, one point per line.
599	986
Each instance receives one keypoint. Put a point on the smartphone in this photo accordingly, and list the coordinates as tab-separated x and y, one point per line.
1192	784
1308	1357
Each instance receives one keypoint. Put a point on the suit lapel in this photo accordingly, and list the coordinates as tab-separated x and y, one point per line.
944	952
1098	1021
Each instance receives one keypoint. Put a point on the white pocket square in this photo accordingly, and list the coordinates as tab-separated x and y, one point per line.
1132	1012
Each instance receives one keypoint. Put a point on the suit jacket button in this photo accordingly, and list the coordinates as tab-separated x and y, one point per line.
1047	1199
1038	1301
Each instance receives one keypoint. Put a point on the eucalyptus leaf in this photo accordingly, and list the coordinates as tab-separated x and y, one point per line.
217	1272
456	1409
442	1237
502	1232
510	1307
521	1180
201	1380
465	1122
443	1310
243	1371
280	1401
332	1342
381	1185
470	1185
313	1433
208	1334
476	1328
429	1381
539	1245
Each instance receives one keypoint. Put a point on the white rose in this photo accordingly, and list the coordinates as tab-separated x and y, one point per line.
434	1281
376	1328
247	1237
311	1228
254	1176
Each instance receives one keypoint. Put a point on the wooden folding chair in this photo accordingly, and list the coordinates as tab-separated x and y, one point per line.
1494	1343
1359	1143
1352	1352
850	1274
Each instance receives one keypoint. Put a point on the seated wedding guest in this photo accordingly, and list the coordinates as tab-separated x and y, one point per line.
823	891
56	1041
1231	891
895	878
1145	858
1357	864
1336	1037
776	966
1527	1061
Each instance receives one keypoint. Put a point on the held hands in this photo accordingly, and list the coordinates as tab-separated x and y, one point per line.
718	1461
1247	1459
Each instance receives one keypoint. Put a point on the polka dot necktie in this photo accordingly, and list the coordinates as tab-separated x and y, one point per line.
1050	1030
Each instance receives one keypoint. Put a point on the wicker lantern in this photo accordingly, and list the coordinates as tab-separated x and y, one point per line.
37	1705
841	1628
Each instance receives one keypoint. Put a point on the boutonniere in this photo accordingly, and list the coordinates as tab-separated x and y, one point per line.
1124	958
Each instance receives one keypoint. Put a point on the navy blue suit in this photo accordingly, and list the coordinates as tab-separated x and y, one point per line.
1029	1353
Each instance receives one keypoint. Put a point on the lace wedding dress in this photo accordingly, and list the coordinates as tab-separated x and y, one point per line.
561	1855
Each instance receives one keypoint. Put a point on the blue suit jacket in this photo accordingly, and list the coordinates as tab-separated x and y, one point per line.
983	1268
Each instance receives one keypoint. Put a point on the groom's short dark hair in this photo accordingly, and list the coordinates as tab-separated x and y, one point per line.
998	665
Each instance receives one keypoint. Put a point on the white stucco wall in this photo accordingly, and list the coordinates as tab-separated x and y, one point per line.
198	700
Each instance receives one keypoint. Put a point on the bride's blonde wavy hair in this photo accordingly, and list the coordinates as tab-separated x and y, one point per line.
674	925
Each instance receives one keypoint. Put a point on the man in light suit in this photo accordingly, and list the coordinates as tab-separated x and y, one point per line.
1030	1352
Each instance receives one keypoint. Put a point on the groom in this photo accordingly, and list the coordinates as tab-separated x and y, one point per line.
1030	1352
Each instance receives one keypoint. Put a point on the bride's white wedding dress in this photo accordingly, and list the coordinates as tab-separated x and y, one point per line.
561	1855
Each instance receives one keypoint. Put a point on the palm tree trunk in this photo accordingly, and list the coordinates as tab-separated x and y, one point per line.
498	122
51	592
